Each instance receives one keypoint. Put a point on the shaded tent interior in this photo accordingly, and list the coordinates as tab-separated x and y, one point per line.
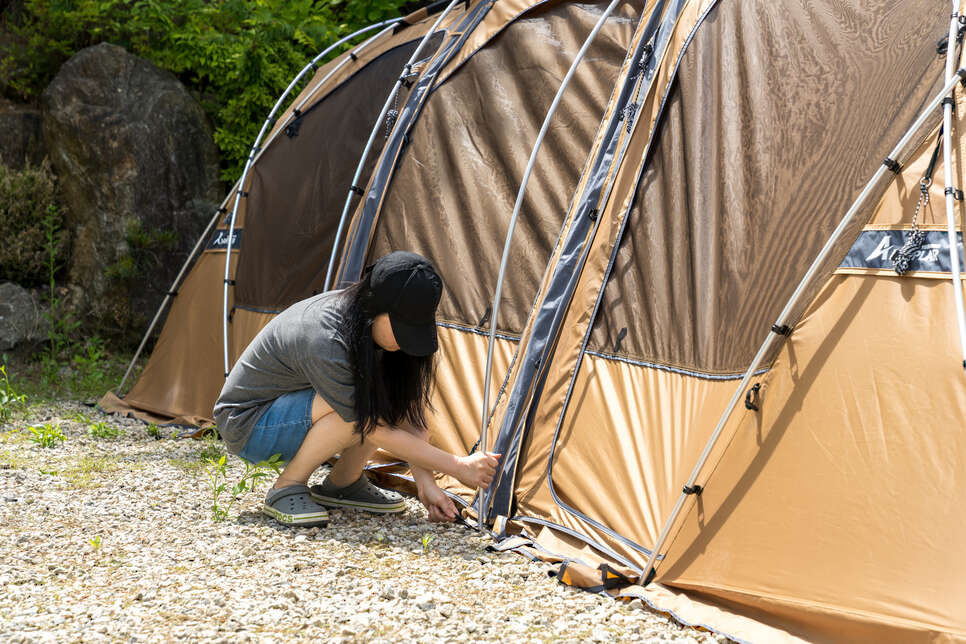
744	154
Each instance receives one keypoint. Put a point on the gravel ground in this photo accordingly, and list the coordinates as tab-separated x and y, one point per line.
112	538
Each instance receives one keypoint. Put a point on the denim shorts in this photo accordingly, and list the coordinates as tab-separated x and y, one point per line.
282	428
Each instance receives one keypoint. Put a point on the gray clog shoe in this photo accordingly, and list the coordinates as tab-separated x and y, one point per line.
293	506
361	495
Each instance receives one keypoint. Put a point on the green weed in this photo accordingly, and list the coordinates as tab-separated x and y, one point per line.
155	432
217	471
10	399
103	430
46	435
95	543
427	540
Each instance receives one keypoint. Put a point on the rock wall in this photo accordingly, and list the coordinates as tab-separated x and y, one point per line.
138	173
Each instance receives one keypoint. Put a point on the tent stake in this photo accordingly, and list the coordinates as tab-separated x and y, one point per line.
407	68
255	150
785	317
509	236
950	188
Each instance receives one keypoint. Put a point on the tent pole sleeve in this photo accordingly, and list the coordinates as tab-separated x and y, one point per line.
513	222
168	297
255	150
950	188
784	318
407	68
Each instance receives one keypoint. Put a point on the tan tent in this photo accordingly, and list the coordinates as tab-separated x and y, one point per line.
712	389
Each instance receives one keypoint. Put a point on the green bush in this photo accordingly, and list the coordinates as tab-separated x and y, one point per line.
237	56
28	198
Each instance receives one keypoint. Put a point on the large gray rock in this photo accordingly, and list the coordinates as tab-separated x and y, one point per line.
138	172
21	319
21	135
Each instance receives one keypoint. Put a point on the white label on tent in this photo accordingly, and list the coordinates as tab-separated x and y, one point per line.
219	240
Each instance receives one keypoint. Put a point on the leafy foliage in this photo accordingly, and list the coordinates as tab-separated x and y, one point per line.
10	399
28	212
236	55
217	470
101	429
46	435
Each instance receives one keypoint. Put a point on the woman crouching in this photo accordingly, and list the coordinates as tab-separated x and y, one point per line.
346	372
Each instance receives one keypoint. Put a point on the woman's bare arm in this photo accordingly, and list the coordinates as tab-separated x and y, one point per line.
476	470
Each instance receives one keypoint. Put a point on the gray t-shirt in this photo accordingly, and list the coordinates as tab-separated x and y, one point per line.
300	349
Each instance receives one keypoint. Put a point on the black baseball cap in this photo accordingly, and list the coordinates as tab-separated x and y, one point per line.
407	287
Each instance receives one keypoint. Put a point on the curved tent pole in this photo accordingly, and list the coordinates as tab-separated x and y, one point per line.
168	297
297	107
353	186
255	150
509	235
782	327
950	190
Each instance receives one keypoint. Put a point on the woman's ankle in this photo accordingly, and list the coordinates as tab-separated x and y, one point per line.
283	481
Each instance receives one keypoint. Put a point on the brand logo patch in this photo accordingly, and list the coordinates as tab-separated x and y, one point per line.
219	240
875	249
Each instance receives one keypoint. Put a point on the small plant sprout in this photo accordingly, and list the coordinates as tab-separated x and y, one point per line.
217	470
96	543
154	432
427	540
103	430
46	435
10	399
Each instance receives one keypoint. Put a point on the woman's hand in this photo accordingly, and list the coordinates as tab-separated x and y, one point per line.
478	469
440	507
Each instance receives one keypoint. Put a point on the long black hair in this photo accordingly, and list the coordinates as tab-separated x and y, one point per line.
390	386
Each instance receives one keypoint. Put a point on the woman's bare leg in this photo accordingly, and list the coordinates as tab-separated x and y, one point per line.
328	436
351	463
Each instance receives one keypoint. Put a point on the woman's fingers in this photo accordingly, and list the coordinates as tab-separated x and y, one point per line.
480	468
